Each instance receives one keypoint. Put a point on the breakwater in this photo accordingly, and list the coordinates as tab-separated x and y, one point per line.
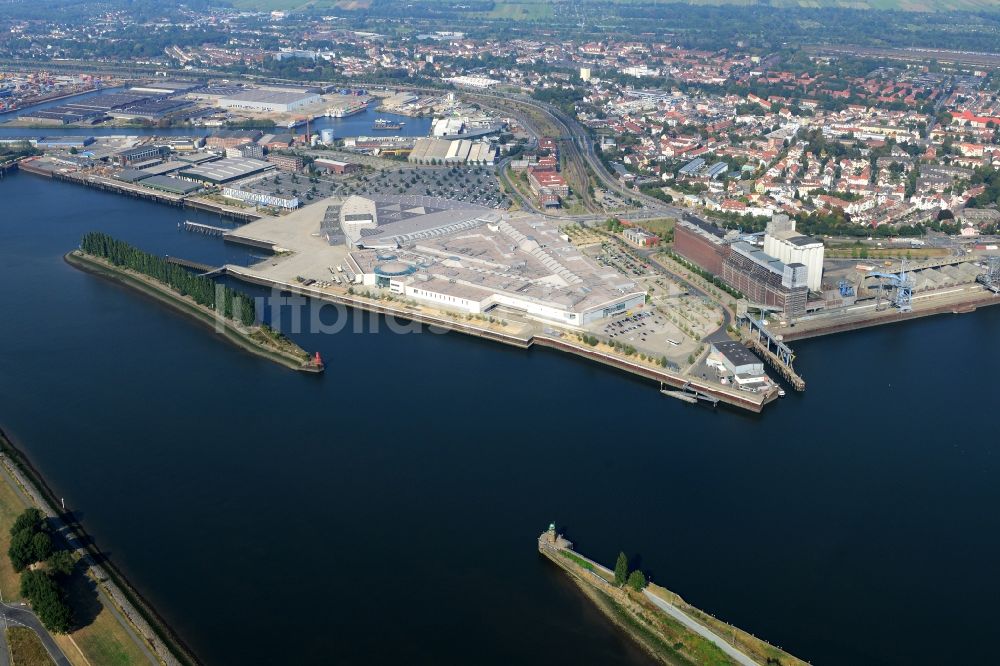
257	340
668	628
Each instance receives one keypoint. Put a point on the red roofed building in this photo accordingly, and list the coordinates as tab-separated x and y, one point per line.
974	120
547	180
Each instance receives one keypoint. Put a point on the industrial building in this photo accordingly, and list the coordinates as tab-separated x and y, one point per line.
65	142
166	87
444	151
737	359
86	109
765	280
641	237
138	154
250	150
783	242
226	170
335	166
271	101
286	162
472	259
547	181
477	82
232	138
170	184
152	109
692	167
701	243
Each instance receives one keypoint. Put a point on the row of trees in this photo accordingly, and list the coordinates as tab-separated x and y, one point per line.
235	305
635	579
43	584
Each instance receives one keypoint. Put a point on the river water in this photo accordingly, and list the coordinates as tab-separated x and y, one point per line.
387	512
357	125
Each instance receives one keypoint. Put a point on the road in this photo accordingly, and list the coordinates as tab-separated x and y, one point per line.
22	616
701	630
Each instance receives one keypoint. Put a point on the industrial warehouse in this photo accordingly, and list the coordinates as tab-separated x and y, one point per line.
273	101
460	151
227	170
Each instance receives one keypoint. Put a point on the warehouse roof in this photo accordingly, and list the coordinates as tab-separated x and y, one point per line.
171	184
225	170
736	353
269	96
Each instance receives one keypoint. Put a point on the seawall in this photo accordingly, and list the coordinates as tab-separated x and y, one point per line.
751	402
888	317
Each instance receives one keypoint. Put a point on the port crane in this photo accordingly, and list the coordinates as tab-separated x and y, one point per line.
901	282
991	278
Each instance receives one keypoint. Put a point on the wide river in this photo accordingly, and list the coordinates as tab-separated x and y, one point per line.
387	512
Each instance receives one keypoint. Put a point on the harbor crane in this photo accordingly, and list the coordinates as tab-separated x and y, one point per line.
991	278
902	283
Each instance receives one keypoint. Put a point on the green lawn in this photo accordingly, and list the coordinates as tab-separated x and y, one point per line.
577	559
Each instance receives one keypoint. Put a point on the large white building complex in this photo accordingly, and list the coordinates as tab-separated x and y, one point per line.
782	242
470	259
273	101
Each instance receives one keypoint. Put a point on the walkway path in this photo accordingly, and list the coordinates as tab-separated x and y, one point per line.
700	629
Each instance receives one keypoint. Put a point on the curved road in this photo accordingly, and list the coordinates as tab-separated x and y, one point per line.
22	616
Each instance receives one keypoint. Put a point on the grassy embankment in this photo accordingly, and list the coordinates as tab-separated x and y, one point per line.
661	635
103	640
258	340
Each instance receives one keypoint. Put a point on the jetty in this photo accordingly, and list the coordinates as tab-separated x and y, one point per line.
200	228
259	340
660	621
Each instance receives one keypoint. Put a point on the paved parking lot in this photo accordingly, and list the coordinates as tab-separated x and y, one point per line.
468	184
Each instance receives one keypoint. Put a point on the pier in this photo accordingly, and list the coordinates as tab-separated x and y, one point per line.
193	265
689	394
207	229
772	349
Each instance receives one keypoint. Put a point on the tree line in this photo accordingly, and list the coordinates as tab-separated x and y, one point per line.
635	579
234	305
45	569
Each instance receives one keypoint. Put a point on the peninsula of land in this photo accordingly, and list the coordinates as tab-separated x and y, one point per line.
668	628
258	339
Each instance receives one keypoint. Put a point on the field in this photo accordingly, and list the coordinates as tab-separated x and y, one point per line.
520	11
